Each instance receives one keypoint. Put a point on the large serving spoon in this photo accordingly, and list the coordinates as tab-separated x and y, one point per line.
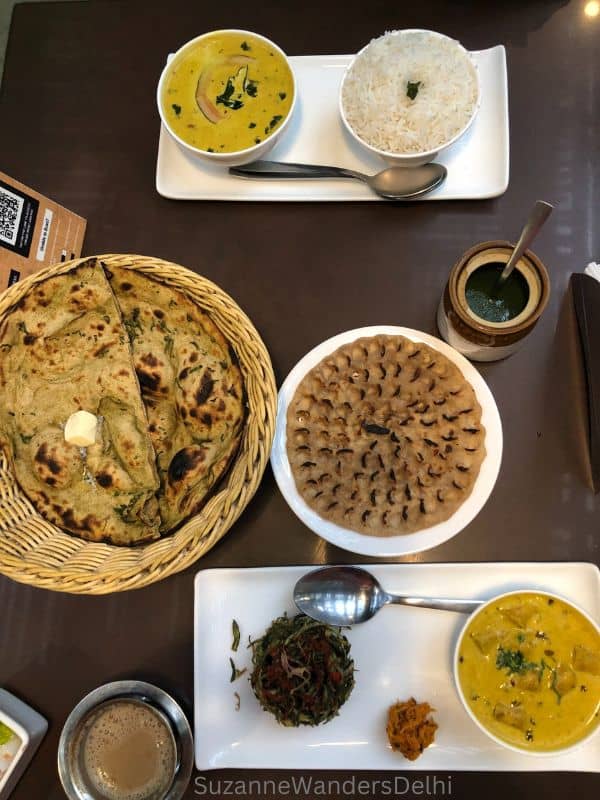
539	214
350	595
393	183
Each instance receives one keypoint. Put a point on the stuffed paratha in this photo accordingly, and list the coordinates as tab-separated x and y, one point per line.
191	386
63	349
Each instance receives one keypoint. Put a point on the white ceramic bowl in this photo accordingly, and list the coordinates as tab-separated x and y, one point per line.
239	156
424	157
522	750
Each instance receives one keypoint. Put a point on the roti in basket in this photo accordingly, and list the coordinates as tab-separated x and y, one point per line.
158	375
191	386
63	349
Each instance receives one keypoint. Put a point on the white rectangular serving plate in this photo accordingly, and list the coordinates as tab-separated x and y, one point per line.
401	653
478	164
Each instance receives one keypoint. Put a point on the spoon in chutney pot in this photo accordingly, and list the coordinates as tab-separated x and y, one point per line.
393	183
538	216
343	596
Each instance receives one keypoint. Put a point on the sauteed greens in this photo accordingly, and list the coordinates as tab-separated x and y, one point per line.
303	672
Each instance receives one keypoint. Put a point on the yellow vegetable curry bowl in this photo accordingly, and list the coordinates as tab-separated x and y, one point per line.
527	670
227	96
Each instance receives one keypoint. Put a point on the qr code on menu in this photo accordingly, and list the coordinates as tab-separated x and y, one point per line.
11	207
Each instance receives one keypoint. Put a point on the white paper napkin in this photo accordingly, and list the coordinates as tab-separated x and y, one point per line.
593	270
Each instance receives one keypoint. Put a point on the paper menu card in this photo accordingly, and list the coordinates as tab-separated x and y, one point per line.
34	232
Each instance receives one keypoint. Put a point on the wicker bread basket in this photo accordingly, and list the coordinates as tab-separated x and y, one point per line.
36	552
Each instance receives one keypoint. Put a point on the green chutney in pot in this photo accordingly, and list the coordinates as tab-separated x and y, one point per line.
492	302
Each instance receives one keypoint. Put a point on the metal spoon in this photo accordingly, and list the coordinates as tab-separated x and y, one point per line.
350	595
539	214
393	183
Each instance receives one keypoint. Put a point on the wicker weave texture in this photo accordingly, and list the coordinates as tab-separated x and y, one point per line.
34	551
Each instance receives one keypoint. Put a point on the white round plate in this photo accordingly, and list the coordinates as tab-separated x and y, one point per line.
403	544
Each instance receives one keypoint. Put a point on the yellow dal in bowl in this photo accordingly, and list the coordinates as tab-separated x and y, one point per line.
529	670
228	92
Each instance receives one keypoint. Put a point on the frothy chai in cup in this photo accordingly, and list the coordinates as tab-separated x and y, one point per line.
127	752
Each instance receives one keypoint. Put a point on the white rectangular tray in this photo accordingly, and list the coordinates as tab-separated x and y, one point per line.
478	163
402	652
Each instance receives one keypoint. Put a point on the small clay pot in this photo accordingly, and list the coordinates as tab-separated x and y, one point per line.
471	335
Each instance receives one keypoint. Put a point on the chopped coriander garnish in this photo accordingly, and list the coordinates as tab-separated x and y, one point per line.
176	108
513	661
226	97
252	125
276	118
245	46
251	88
282	95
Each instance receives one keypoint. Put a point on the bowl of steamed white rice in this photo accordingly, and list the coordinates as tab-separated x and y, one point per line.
410	94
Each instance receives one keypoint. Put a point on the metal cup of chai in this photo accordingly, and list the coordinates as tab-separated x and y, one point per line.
126	740
486	321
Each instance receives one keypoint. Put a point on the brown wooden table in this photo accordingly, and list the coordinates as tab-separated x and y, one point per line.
78	122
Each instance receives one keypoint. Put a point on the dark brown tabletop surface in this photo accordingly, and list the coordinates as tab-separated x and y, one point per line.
78	122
